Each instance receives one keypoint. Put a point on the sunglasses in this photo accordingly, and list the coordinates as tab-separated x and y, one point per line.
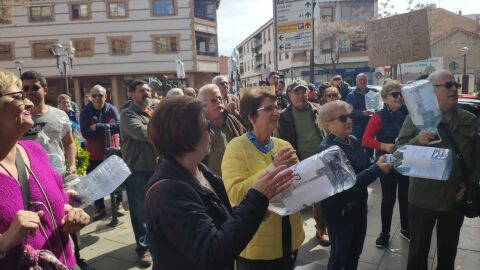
396	94
344	117
34	88
449	85
20	95
97	95
332	95
269	108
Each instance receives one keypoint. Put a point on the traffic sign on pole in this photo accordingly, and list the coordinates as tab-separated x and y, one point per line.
294	21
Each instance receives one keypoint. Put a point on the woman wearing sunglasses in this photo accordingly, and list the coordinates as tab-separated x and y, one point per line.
35	217
346	212
331	93
380	134
247	158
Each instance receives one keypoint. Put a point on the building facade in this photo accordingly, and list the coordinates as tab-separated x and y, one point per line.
115	42
257	50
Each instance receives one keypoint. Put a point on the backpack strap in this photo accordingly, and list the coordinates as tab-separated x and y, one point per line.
152	187
23	179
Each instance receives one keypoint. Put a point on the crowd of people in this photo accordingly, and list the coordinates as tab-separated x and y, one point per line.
206	163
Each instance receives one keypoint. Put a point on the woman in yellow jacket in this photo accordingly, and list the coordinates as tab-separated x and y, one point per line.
246	159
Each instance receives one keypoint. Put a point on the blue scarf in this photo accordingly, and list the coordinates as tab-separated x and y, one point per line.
262	148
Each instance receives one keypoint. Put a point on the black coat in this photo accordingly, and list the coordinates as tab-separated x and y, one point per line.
192	228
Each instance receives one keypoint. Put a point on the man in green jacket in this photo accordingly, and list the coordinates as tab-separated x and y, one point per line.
440	202
141	158
297	125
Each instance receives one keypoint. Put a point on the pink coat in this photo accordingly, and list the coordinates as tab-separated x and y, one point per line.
11	202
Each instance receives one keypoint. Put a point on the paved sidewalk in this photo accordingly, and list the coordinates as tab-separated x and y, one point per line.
114	248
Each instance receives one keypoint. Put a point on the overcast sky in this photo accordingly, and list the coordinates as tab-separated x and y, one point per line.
237	19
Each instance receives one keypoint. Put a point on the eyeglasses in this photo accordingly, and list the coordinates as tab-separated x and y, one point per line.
334	95
19	95
344	117
97	95
269	108
396	94
449	85
34	88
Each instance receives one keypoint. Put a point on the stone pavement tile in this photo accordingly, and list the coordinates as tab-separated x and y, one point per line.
471	222
106	263
302	265
366	266
102	247
311	251
394	261
370	253
465	260
470	239
398	245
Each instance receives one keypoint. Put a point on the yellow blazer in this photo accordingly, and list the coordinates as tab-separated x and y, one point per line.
242	166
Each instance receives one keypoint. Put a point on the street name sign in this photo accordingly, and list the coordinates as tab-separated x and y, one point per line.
294	25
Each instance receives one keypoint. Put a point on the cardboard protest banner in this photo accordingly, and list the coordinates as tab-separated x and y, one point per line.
270	89
398	39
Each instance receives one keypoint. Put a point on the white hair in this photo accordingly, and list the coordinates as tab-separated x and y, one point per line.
208	88
433	77
189	90
362	75
174	92
98	88
219	77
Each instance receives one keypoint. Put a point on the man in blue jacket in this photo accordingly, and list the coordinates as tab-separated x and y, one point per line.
356	98
95	118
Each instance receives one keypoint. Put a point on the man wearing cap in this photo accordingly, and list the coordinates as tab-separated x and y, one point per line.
341	86
297	125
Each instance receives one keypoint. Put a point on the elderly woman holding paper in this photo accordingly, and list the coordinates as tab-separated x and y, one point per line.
190	222
346	212
247	158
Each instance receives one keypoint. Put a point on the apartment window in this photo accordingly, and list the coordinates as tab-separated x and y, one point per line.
280	57
265	58
165	44
41	49
327	13
5	14
264	37
41	14
6	51
120	45
269	34
163	7
117	9
269	58
84	47
359	45
80	11
206	44
248	47
206	9
287	55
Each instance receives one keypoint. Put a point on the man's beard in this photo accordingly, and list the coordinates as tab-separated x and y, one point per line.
144	102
